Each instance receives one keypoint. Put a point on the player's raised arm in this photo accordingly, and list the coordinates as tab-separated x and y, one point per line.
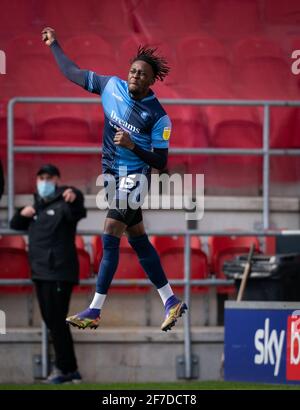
69	69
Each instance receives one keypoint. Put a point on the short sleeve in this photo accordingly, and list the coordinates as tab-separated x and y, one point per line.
161	133
95	83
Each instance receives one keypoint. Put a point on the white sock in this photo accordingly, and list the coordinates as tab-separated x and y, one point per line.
165	292
98	301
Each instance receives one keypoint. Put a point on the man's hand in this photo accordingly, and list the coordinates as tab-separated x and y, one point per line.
28	211
69	195
48	35
123	139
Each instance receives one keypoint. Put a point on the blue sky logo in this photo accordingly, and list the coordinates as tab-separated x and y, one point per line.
269	346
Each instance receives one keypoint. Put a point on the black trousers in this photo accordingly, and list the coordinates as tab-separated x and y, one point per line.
54	299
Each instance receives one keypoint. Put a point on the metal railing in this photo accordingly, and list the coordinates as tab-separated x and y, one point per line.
187	282
265	151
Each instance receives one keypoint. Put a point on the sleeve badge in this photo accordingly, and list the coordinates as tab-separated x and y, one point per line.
166	133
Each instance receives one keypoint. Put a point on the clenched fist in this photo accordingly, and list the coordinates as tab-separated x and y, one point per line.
48	35
123	139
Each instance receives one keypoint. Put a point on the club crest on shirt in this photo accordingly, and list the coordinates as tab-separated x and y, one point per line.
167	133
144	115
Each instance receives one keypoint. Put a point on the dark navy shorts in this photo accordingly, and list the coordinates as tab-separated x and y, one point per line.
125	195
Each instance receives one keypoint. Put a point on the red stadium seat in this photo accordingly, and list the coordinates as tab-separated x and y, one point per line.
234	127
68	16
284	170
162	90
36	77
14	264
31	69
91	52
80	170
210	77
294	45
116	14
270	245
23	130
79	242
284	133
62	125
208	70
196	130
171	252
284	128
203	45
25	164
28	61
28	44
185	120
261	71
16	16
222	248
172	17
232	19
282	12
88	44
84	264
97	252
12	241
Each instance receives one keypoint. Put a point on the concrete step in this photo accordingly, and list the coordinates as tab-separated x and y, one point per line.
120	354
125	309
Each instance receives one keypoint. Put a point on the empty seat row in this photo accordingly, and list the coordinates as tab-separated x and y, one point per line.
140	16
210	77
258	67
14	260
192	126
232	175
67	17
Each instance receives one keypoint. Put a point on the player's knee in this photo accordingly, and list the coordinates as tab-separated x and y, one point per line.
135	230
114	227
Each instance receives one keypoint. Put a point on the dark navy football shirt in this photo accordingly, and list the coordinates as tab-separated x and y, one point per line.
145	120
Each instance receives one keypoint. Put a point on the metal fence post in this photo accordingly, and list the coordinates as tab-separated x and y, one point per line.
45	350
187	298
266	168
10	158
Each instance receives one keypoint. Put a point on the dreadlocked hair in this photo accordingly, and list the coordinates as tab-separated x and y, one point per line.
158	63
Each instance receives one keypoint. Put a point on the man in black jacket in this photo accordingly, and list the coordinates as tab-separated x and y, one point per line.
51	224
